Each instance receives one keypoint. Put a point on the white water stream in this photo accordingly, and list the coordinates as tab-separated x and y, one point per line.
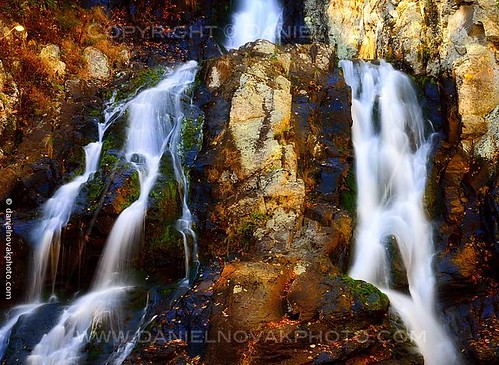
155	118
391	154
255	19
47	233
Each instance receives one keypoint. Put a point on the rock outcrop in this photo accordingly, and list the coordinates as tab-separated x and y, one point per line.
275	188
274	138
259	189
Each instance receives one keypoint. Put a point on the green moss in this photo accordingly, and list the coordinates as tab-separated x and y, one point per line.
131	191
348	192
165	209
191	135
95	112
94	189
169	236
367	294
108	162
146	78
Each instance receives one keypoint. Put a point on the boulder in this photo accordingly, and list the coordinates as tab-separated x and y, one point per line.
97	63
320	293
50	55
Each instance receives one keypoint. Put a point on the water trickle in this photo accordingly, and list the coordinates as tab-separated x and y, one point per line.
56	213
155	118
391	154
255	19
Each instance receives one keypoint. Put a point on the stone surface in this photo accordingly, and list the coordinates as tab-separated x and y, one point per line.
290	313
50	54
97	63
477	76
488	145
319	293
256	174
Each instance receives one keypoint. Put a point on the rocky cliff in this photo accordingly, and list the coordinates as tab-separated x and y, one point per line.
458	39
273	187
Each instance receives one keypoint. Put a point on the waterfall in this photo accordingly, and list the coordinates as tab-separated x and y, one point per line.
47	233
155	118
255	19
56	213
391	154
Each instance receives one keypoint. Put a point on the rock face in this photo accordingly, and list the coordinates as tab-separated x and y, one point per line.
275	187
458	39
256	173
270	109
477	75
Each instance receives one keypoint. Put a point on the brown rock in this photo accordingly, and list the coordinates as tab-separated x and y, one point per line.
254	292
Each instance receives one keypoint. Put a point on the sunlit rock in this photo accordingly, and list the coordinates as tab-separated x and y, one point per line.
51	55
477	77
97	63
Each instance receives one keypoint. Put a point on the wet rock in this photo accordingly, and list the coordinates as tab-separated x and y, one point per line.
477	322
398	271
180	331
29	330
338	300
338	249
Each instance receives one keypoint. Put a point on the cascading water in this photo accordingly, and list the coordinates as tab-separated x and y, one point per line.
155	117
391	155
56	213
47	233
255	19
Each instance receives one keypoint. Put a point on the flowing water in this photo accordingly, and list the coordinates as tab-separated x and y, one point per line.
56	213
255	19
391	154
155	118
47	233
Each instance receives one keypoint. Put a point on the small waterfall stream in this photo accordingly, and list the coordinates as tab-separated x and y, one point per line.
56	213
47	233
391	154
255	19
155	118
